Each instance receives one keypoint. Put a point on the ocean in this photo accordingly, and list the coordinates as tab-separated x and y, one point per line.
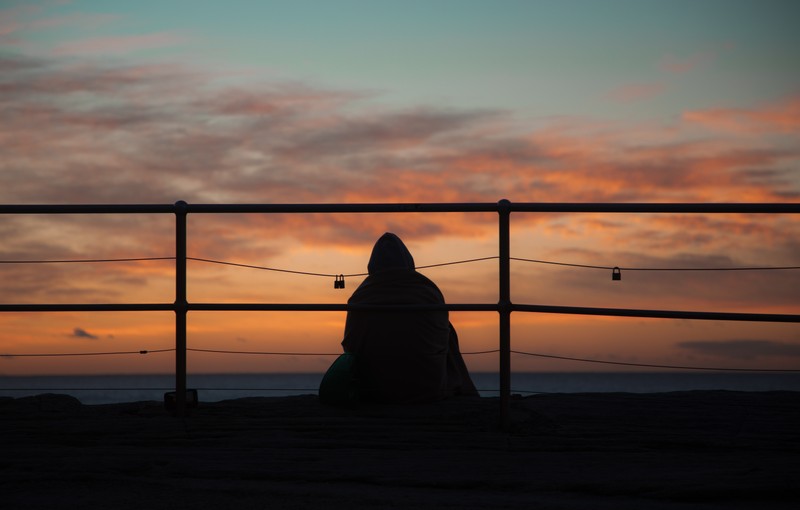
108	389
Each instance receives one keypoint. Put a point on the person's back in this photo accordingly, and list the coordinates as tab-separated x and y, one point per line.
402	356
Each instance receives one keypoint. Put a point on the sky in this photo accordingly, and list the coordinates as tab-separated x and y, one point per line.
415	101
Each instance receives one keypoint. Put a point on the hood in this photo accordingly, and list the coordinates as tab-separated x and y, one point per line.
389	253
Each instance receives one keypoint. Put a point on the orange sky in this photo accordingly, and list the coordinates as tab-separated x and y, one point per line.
134	102
292	243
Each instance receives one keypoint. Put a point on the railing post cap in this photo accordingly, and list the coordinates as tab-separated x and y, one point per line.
181	204
504	205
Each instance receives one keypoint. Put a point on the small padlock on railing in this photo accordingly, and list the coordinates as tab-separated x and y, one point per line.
616	274
338	283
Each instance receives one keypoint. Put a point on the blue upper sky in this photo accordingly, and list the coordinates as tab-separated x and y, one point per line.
617	59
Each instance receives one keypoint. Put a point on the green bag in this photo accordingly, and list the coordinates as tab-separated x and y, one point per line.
339	386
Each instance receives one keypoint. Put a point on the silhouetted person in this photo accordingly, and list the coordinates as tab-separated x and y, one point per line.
409	356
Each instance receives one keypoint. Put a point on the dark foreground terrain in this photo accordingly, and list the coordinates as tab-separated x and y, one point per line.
702	450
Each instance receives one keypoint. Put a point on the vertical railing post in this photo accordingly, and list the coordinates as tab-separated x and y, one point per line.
504	307
181	308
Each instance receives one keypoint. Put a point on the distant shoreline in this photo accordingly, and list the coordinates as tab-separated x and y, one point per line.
106	389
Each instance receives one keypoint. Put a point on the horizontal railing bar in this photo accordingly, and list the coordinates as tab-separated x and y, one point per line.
452	307
580	207
88	307
659	314
340	307
342	208
561	207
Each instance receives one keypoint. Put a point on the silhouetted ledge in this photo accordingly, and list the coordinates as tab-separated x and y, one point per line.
704	449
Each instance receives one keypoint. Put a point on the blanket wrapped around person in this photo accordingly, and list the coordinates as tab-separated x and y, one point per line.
397	356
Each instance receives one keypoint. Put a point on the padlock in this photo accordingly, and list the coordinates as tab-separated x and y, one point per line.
338	283
616	274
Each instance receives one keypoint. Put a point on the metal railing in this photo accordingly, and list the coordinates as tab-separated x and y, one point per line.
504	306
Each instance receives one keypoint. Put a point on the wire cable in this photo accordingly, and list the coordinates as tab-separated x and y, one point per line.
428	266
264	268
480	352
468	353
259	353
65	354
458	262
608	268
327	275
80	261
651	365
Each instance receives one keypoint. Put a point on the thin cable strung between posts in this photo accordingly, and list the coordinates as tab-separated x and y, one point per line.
651	365
349	275
65	354
588	266
428	266
492	351
79	261
467	353
261	353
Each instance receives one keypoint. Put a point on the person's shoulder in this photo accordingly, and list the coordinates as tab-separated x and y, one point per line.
424	279
427	282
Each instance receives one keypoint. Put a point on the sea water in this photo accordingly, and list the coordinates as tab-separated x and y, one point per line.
107	389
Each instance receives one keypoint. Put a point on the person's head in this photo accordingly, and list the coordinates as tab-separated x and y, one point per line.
389	253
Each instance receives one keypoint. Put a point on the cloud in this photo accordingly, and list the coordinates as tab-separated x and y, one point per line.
781	117
156	133
100	131
742	349
82	333
22	19
670	64
118	45
11	19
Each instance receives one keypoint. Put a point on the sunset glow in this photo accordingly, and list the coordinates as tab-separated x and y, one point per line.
134	102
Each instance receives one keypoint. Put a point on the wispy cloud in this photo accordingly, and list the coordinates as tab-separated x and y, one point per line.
779	117
82	333
22	19
118	45
101	132
168	132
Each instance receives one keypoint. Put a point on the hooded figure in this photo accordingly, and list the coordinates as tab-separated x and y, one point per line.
403	357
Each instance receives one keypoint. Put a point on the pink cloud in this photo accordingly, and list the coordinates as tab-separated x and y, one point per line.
779	117
16	20
633	92
162	133
78	19
11	19
118	45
